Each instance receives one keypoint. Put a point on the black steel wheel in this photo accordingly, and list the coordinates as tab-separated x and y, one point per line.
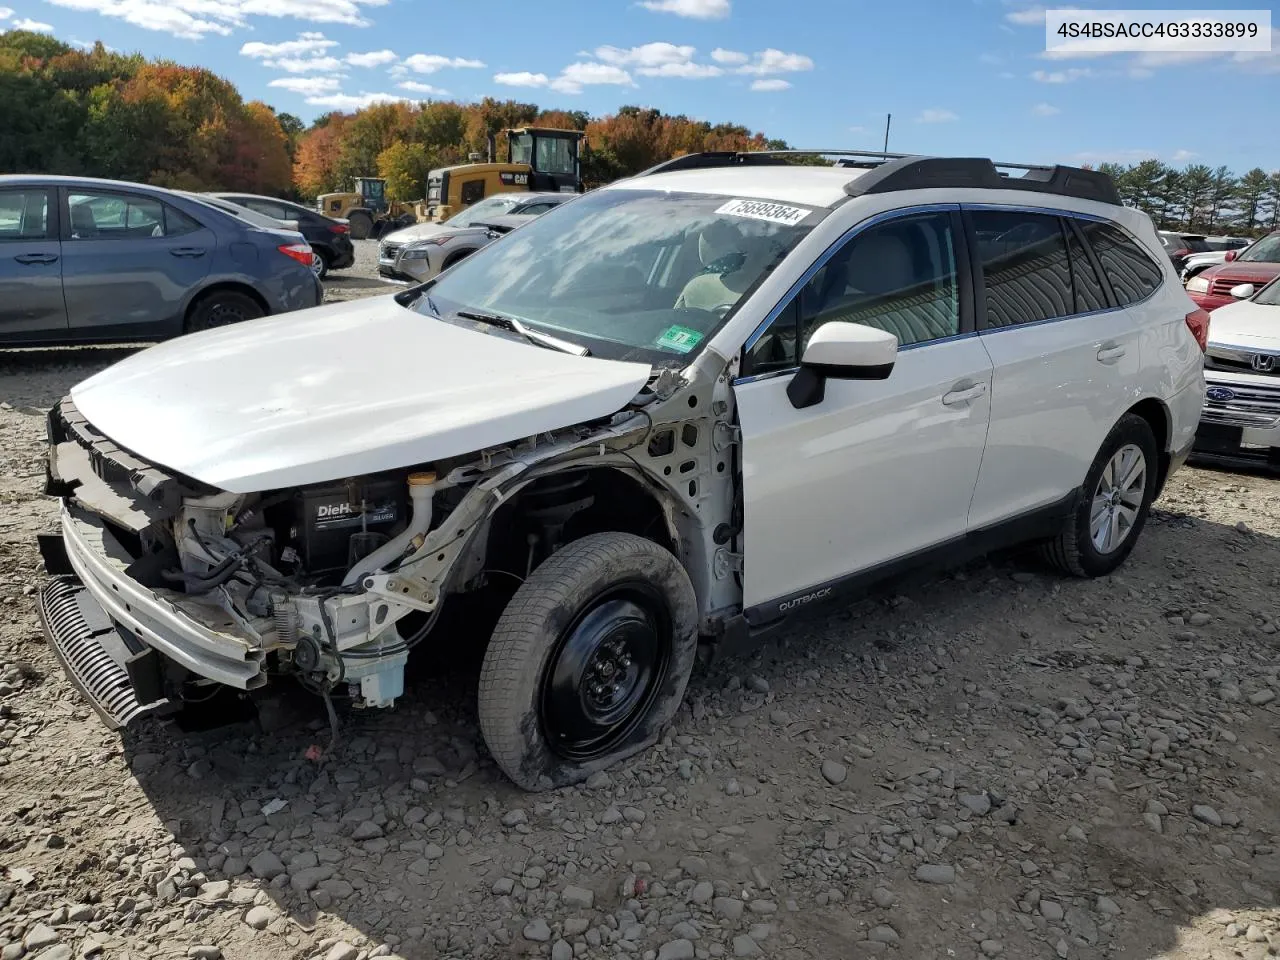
221	308
604	673
589	661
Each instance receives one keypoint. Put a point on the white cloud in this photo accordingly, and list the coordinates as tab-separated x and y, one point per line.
646	55
416	87
308	44
587	74
307	65
776	61
731	57
768	86
432	62
686	71
374	58
1096	157
312	86
695	9
85	44
1070	75
5	13
1182	156
34	26
935	115
193	19
1028	17
348	101
521	79
1045	110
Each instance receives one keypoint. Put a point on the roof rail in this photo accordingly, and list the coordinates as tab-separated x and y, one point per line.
900	171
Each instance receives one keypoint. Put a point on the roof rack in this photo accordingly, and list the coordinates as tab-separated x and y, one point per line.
903	171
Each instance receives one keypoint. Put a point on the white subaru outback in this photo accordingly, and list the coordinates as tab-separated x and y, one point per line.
675	411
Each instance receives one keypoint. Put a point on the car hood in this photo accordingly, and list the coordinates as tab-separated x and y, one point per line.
419	231
340	391
1255	273
1246	324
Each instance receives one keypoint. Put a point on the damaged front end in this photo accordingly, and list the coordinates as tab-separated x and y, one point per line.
166	590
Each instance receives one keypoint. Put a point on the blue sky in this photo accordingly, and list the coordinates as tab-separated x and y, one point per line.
963	77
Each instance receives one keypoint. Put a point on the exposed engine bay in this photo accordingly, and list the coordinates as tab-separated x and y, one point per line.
334	584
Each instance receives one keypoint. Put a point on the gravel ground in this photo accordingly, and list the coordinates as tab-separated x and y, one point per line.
1000	762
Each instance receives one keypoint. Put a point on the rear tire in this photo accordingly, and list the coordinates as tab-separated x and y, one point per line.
1114	504
589	662
361	225
221	308
319	264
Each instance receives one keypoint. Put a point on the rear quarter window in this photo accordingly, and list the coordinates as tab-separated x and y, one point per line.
1134	275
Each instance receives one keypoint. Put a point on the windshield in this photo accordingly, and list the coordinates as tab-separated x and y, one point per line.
555	155
629	274
1269	295
482	211
1266	250
522	148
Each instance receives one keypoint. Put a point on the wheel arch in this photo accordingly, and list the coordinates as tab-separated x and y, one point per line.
224	286
1154	411
454	256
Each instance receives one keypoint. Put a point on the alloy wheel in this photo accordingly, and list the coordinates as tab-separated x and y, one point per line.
1118	499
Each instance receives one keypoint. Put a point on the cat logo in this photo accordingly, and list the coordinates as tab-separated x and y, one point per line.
514	179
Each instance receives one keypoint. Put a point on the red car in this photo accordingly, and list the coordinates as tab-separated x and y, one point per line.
1258	263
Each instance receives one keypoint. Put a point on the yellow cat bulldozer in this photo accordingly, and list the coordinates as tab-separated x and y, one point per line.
538	158
367	210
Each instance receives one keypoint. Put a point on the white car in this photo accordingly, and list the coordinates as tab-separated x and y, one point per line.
678	410
421	251
1241	419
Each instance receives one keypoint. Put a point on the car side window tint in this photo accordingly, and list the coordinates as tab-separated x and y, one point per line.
1027	276
1085	282
24	214
1134	275
899	276
115	216
268	209
177	223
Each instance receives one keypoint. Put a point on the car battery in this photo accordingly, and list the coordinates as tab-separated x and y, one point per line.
326	518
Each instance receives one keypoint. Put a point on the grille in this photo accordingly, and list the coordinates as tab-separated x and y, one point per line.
389	250
1239	365
1250	406
1221	287
76	627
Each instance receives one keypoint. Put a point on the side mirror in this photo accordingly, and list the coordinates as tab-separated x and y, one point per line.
1243	291
1231	255
841	351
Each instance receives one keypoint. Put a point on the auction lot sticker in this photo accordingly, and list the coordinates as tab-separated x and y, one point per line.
680	339
764	210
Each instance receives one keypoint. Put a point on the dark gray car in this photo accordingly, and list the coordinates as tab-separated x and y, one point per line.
85	260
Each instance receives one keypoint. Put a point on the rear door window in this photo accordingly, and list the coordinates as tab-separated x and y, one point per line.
1025	266
1133	274
122	216
24	214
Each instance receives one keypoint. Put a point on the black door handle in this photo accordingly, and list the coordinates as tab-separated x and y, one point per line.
187	251
37	258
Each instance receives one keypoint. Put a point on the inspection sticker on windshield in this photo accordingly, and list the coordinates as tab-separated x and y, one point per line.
680	339
764	210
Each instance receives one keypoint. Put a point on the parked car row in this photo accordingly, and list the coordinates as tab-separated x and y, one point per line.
87	260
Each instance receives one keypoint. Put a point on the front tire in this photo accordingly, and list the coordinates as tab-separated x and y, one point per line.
1116	499
589	661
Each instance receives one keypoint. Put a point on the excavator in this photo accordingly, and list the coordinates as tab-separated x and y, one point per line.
538	158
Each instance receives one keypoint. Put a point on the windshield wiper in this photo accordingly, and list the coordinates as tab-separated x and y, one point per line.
533	336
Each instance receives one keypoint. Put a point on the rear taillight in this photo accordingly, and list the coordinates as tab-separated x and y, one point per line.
1184	252
1198	324
298	251
339	228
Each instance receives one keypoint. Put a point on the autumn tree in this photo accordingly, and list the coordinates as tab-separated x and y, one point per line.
405	166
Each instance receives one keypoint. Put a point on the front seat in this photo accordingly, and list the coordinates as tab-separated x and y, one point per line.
722	280
83	224
886	268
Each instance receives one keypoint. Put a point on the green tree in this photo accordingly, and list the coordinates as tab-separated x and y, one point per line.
1196	183
1252	193
405	167
1222	193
